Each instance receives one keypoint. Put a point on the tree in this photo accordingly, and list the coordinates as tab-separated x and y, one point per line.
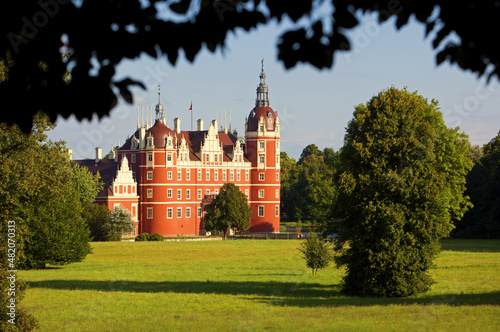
38	187
314	190
87	184
35	33
317	252
95	217
288	167
119	222
483	187
228	209
400	186
309	150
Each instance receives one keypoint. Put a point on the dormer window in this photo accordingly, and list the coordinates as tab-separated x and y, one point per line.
261	128
150	141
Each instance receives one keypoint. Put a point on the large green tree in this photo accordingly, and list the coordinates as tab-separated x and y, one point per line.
33	34
228	209
400	182
483	187
40	188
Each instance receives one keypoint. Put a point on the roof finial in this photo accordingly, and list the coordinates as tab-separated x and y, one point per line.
159	107
262	90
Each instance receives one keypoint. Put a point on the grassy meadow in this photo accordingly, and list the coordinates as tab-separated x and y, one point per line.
253	285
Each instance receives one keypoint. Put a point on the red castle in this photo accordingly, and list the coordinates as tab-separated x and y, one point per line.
165	176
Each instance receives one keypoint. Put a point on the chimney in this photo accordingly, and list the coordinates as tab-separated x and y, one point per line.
98	155
200	124
177	125
70	154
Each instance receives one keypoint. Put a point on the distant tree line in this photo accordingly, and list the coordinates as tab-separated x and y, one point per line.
308	191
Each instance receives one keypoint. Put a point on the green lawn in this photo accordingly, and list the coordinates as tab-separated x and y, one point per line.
253	285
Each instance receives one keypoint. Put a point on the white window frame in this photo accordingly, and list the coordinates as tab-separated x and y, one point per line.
188	193
169	193
207	175
179	175
216	175
277	193
149	175
179	212
261	208
261	193
170	213
188	212
169	175
261	177
149	193
200	194
277	210
188	175
149	213
179	193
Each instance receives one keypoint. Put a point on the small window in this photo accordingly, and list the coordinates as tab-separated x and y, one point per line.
169	175
223	175
207	175
132	159
150	213
261	193
188	175
261	211
239	159
261	176
179	175
207	192
277	212
215	157
199	193
238	175
188	193
261	159
199	212
216	192
231	176
277	159
179	193
261	145
261	128
277	193
169	193
169	157
199	175
246	176
277	176
179	212
216	175
150	193
170	213
150	175
188	212
246	192
207	157
150	157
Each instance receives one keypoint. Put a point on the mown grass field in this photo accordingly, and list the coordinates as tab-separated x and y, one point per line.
253	285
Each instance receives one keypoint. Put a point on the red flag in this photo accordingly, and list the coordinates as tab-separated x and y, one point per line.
191	107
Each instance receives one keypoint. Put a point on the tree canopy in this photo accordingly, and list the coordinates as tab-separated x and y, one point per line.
119	222
400	182
42	191
483	187
36	33
228	209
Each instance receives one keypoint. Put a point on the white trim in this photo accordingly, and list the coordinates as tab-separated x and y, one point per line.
208	184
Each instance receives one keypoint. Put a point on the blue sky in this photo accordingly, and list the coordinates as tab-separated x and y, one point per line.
314	106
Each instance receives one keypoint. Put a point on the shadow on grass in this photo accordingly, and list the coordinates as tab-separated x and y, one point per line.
277	293
470	245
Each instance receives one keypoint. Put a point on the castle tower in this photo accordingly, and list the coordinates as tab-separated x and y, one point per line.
262	137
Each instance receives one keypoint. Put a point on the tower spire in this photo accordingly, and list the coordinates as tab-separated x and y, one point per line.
262	90
159	107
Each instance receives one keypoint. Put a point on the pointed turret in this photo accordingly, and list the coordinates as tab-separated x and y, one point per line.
159	107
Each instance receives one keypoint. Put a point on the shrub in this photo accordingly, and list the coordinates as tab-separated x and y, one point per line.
156	237
142	237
